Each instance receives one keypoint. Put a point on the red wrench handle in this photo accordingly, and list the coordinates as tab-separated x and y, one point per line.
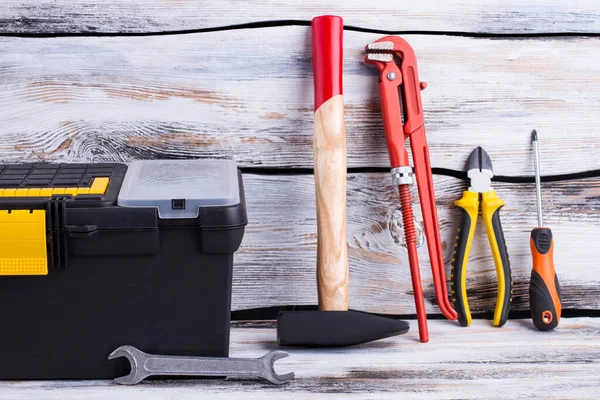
424	178
408	221
392	117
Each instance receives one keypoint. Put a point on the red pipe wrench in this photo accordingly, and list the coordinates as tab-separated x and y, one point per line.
400	93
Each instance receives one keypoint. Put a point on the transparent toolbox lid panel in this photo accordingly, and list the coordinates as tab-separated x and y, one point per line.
179	187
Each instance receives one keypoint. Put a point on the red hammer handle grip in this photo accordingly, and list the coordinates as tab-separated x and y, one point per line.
327	53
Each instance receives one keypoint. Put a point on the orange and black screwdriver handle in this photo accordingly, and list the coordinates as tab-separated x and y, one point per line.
544	290
400	95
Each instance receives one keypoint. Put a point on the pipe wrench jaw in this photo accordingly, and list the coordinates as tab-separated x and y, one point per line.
399	88
387	59
381	54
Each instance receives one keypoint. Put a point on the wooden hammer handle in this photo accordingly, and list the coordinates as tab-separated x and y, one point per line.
330	164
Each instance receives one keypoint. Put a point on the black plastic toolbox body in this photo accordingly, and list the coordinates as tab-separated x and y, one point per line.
116	275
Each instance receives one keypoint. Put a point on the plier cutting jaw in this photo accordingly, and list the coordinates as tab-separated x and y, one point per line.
402	111
480	173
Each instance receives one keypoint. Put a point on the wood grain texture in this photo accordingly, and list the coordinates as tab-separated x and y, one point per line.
467	363
330	192
276	262
247	95
166	15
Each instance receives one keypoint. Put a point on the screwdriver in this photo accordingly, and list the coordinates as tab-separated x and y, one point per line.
544	291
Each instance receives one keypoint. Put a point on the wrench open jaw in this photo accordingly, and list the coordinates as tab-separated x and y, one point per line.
402	111
136	360
269	373
144	365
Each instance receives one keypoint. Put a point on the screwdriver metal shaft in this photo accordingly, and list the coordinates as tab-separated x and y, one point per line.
538	181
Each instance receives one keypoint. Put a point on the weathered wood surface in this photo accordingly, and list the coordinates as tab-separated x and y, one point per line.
277	260
432	15
247	95
515	361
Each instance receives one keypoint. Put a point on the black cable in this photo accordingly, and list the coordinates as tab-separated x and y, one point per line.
595	173
297	22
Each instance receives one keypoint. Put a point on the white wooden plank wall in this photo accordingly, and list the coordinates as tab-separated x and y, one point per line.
506	16
247	95
119	99
276	264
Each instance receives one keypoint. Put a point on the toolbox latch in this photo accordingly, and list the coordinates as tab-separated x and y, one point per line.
23	242
34	240
57	246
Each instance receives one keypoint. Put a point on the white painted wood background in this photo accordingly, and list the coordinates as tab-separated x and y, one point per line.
506	16
246	94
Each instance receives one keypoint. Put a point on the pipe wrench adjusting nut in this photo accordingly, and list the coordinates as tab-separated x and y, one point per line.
402	176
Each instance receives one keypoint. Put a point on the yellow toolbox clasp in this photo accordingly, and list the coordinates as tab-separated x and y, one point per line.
23	248
23	233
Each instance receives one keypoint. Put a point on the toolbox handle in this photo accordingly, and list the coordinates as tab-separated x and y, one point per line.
81	231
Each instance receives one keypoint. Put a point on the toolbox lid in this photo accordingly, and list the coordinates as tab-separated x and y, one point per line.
179	188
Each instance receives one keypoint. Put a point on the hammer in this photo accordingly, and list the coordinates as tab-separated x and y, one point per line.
333	325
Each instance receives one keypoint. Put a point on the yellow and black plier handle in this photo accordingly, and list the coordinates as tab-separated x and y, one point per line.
490	212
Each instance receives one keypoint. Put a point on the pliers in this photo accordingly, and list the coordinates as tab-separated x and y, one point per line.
480	173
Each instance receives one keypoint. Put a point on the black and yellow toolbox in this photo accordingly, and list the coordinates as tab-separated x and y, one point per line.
95	256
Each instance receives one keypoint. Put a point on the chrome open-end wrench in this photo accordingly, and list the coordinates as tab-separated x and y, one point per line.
144	365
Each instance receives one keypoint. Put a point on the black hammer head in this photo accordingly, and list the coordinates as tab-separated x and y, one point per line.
334	328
